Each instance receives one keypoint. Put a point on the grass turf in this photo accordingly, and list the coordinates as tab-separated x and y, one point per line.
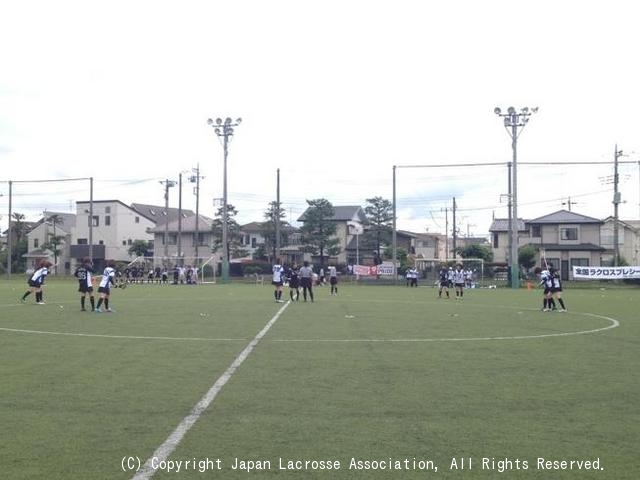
376	373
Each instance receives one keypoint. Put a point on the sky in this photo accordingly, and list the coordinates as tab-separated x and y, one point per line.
332	93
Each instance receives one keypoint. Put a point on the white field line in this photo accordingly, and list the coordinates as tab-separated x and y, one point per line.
126	337
614	324
172	442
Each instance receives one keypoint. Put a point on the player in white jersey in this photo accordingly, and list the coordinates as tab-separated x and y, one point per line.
333	279
546	281
36	281
277	280
458	281
104	288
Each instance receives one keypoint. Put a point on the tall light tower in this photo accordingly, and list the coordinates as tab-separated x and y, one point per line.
514	122
224	130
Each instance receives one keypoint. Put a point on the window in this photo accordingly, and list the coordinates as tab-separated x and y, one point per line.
568	233
101	242
83	241
137	220
95	222
495	240
107	220
107	209
129	242
579	262
173	239
124	243
36	242
536	231
253	242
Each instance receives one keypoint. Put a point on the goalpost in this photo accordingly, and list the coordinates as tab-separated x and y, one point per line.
430	267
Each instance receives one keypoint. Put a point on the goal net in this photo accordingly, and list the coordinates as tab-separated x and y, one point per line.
201	270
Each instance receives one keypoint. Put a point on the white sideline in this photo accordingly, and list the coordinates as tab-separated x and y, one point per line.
172	442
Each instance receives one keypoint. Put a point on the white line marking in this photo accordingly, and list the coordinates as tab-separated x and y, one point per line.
614	324
126	337
172	442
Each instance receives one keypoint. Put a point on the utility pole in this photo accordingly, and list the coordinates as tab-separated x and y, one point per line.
167	185
179	259
277	215
454	228
616	202
568	203
446	233
196	179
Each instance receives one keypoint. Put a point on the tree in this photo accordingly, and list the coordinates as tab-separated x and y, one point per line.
476	251
379	231
19	230
234	237
527	256
139	248
269	227
54	239
318	229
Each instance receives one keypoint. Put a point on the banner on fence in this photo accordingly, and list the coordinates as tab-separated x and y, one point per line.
606	273
373	270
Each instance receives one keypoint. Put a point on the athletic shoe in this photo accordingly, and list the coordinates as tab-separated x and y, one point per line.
97	310
23	300
40	303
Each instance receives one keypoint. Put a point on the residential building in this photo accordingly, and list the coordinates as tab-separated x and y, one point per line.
628	241
564	238
188	236
115	227
54	228
500	231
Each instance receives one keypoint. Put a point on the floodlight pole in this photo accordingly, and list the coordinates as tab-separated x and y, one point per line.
224	131
514	122
394	238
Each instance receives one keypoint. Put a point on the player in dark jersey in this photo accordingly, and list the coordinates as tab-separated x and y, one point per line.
36	281
294	283
84	274
556	289
444	282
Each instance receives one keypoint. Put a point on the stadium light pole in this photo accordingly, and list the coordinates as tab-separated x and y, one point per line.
224	130
514	122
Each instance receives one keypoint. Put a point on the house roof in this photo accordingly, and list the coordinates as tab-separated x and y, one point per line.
343	214
66	219
188	225
502	225
159	214
630	224
564	216
258	227
554	247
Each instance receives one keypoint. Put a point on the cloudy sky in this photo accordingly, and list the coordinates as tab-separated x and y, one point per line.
332	93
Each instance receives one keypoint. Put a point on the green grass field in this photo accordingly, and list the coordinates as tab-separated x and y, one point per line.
376	374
